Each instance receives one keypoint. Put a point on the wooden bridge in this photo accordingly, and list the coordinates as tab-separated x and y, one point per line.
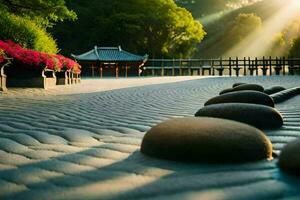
229	67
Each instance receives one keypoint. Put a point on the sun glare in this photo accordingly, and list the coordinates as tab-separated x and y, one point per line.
294	4
297	3
256	45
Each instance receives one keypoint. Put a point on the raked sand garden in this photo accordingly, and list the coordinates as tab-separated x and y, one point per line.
83	142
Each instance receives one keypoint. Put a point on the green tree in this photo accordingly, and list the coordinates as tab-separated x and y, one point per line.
26	22
45	12
295	50
279	45
200	8
157	27
26	33
243	25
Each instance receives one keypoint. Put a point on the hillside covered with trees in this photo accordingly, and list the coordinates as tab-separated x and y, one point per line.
247	25
160	28
157	27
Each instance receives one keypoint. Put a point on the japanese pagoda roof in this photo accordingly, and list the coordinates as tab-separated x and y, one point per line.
110	54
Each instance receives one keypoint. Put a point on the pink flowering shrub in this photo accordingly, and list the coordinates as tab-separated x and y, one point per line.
68	64
36	58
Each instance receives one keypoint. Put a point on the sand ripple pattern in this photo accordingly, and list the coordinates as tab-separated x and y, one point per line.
87	146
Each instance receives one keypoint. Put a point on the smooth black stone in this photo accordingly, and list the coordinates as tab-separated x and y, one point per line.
285	94
225	91
253	87
263	117
289	159
274	90
238	84
207	140
252	97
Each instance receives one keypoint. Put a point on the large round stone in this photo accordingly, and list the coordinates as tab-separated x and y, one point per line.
205	139
263	117
253	87
289	159
274	90
243	97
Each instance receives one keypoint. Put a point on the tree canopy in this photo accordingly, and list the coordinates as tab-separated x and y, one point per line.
157	27
45	12
295	50
243	25
26	21
200	8
26	33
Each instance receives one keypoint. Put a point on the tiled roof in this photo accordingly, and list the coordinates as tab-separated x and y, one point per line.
110	54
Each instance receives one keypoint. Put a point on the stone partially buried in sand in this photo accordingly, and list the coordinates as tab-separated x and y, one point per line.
274	90
263	117
285	94
252	97
208	140
289	159
253	87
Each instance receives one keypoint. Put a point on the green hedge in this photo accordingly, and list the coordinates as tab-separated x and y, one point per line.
26	33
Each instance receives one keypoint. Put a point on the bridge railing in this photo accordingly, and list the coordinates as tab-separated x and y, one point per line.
222	67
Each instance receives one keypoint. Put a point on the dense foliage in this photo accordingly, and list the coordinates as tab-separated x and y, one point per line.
45	12
243	25
218	43
25	22
157	27
295	50
161	28
26	33
201	8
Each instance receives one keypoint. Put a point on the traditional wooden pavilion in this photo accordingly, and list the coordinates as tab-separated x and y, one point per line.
110	61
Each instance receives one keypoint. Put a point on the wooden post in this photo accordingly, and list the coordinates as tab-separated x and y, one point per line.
212	66
101	71
126	70
230	67
152	65
276	67
117	71
93	72
199	68
162	67
291	66
283	65
221	65
139	69
245	65
256	66
270	63
237	72
173	68
264	67
180	70
190	68
250	65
